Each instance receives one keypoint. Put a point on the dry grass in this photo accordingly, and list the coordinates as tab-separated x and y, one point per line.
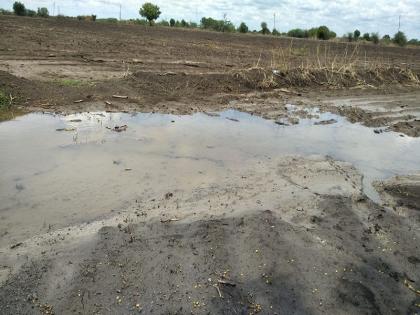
298	67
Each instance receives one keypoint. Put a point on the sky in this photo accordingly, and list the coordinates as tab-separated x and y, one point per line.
341	16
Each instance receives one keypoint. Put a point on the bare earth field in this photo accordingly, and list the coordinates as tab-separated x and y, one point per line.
256	175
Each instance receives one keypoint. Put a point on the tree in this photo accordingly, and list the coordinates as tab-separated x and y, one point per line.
298	33
19	8
43	12
350	36
400	39
366	36
30	13
323	33
172	22
375	38
243	28
150	11
356	35
184	23
264	28
275	32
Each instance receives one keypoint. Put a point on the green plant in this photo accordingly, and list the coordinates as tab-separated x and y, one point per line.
275	32
243	28
324	33
43	12
30	13
172	22
19	8
150	11
400	39
264	28
366	37
5	100
298	33
356	35
350	36
374	38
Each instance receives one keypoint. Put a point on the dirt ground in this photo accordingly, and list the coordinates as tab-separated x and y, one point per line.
290	235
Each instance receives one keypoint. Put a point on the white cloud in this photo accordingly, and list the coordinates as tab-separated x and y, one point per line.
340	15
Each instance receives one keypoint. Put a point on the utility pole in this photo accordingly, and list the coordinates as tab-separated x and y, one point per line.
399	22
274	24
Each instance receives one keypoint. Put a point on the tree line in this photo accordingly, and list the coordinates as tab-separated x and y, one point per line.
151	12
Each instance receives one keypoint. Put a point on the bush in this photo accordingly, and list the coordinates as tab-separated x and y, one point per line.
366	36
217	25
323	33
350	36
356	35
275	32
413	42
150	11
172	22
30	13
400	39
298	33
163	23
243	28
43	12
19	8
374	38
264	28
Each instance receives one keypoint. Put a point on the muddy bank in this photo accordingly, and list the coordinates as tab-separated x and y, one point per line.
350	258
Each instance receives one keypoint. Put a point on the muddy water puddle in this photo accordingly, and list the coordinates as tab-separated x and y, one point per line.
61	170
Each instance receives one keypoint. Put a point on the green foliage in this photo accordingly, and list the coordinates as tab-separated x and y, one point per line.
400	39
30	13
43	12
184	23
5	101
275	32
386	37
298	33
413	42
163	23
366	36
217	25
172	22
356	35
243	28
19	8
5	12
350	36
150	11
264	28
312	32
324	33
374	37
140	22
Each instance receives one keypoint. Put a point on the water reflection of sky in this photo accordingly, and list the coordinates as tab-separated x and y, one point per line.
32	139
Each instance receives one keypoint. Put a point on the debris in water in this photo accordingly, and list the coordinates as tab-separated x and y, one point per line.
119	96
326	122
168	220
16	245
211	114
65	129
75	120
232	119
281	123
118	128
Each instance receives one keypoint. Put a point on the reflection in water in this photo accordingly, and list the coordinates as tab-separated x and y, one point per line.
82	170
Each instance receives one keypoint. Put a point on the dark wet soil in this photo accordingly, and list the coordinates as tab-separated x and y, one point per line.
254	263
